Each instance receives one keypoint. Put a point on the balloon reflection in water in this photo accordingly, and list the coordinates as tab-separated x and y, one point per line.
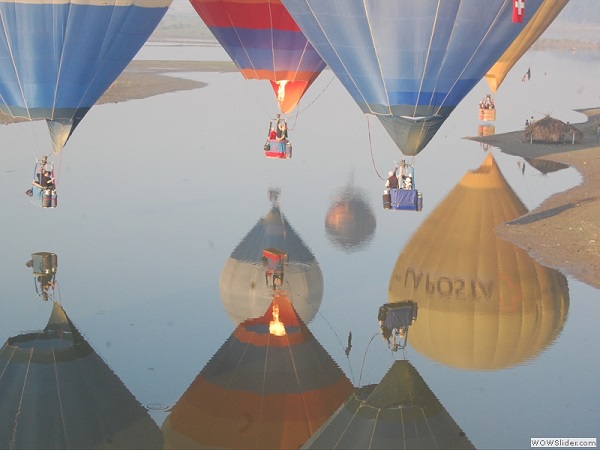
545	166
247	283
350	222
484	304
57	392
45	266
270	385
400	412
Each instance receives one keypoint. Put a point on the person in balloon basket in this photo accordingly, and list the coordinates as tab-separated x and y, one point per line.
392	181
282	135
407	182
271	139
47	180
282	131
44	180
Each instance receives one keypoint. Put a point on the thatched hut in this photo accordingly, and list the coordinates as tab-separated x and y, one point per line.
550	130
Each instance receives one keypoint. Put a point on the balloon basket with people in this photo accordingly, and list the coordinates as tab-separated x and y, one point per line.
400	189
42	192
395	320
274	261
487	109
278	145
44	265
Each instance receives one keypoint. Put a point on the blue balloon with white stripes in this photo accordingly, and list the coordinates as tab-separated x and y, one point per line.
57	57
409	62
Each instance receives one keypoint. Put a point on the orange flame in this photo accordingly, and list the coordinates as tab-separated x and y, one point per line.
276	327
281	90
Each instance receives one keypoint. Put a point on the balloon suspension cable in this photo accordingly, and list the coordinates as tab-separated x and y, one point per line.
346	350
295	121
321	93
364	360
300	111
371	148
57	289
57	176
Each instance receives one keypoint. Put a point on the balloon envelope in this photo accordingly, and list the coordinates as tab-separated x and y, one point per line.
350	222
484	304
541	20
265	43
409	62
401	412
57	57
261	389
244	290
57	392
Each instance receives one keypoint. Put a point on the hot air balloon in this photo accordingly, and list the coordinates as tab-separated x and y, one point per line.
270	385
484	304
57	392
265	43
409	63
57	57
271	248
400	412
541	20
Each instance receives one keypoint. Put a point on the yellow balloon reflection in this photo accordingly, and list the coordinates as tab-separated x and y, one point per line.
484	304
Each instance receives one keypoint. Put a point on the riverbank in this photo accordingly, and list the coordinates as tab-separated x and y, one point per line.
564	231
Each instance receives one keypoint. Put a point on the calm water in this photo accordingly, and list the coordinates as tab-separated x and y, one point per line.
155	195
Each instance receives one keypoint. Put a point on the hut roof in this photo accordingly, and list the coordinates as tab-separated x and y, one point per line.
549	129
546	166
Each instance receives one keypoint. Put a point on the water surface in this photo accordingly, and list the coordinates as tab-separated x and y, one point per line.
156	194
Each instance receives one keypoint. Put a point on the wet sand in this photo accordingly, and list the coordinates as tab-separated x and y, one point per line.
562	233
